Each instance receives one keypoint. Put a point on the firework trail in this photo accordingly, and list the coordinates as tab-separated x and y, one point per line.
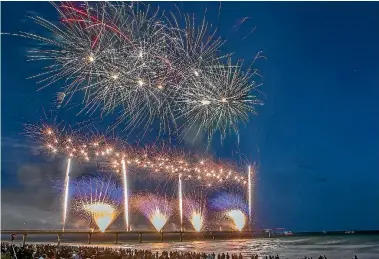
126	193
66	193
156	209
180	199
250	194
144	66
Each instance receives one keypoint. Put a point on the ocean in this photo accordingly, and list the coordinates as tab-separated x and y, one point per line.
334	247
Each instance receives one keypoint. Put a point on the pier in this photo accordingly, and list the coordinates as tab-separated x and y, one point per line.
176	235
59	233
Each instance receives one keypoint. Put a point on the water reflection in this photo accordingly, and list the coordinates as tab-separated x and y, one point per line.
367	247
338	247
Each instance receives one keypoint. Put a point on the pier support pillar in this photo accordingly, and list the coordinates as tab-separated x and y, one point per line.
24	239
89	238
181	236
140	237
161	236
116	241
59	239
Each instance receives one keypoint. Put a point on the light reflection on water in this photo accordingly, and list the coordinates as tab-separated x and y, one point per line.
339	247
366	247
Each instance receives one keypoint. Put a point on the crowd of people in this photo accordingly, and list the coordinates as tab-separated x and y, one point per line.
48	251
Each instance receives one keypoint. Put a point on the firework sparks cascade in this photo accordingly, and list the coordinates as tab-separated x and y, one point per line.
98	198
156	209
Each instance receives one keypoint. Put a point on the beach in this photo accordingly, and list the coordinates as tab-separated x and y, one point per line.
335	247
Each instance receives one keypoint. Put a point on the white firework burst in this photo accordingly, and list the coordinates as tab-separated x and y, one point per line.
142	65
218	99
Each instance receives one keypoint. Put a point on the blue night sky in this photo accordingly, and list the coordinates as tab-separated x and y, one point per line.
318	132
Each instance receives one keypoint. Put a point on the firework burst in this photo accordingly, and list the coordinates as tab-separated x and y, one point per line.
195	213
154	159
156	209
218	100
142	65
98	198
233	207
103	214
238	217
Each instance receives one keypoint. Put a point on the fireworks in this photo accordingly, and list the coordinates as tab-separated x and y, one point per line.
233	207
180	198
228	201
102	213
156	160
126	194
158	219
218	100
143	66
142	63
238	217
98	198
156	209
65	201
197	220
195	213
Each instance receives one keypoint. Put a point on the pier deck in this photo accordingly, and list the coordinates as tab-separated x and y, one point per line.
89	233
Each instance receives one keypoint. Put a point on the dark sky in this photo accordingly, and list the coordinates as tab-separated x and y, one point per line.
318	132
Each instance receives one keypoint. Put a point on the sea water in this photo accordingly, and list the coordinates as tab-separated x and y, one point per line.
334	247
365	247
